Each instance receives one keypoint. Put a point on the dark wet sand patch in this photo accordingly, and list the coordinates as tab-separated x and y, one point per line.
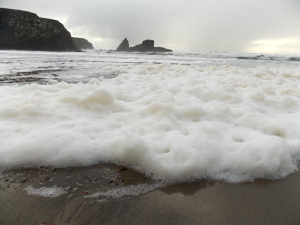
203	202
40	76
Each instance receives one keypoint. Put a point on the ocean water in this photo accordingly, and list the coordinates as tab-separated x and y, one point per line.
178	117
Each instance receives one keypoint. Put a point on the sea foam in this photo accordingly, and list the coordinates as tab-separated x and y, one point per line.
171	122
49	192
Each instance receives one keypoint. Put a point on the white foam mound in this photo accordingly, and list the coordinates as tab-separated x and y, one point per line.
48	192
171	122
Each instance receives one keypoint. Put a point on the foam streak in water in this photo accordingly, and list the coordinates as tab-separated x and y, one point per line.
48	192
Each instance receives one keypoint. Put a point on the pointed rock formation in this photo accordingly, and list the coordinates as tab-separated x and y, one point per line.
23	30
124	46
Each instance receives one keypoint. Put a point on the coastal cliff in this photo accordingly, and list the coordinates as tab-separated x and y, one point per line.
23	30
82	43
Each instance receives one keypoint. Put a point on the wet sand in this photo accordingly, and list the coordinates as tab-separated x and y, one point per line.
202	202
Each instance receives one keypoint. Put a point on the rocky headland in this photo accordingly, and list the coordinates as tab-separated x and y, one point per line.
23	30
146	46
82	43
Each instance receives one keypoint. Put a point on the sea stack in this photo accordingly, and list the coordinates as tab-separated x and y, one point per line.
146	46
124	46
23	30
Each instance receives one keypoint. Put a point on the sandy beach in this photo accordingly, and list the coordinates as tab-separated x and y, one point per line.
202	202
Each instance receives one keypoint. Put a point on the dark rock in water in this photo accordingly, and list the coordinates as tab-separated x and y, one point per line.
82	43
146	46
124	46
23	30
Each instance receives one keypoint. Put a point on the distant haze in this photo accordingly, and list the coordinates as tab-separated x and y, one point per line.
262	26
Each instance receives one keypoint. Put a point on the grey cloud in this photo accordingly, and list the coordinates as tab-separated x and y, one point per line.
222	25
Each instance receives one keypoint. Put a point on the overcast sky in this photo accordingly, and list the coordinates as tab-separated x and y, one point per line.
262	26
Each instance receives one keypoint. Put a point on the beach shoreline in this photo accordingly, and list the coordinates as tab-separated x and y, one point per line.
175	117
204	202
